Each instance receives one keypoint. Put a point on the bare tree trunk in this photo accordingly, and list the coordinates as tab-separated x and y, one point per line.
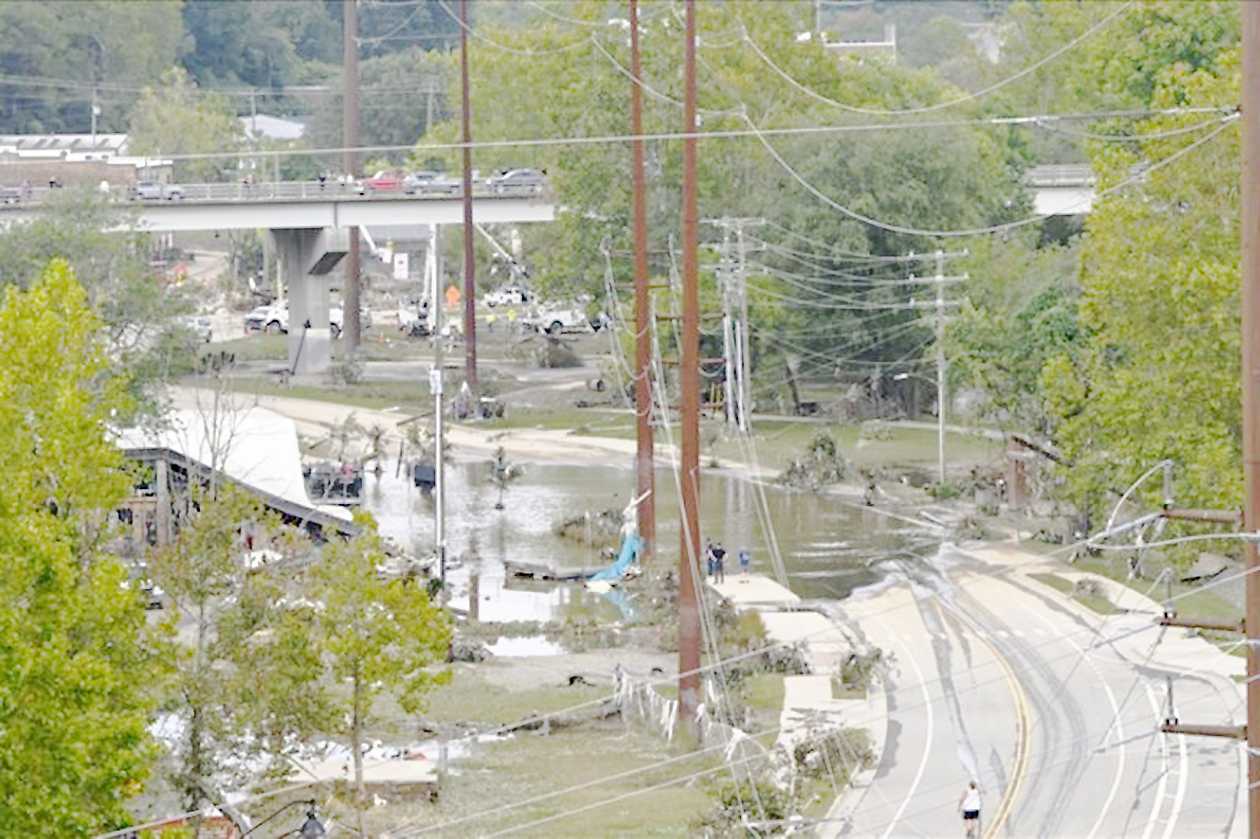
356	745
789	364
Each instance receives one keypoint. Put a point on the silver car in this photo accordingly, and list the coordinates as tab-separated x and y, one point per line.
426	182
155	191
518	182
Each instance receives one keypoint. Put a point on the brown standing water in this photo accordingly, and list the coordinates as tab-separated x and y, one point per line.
829	546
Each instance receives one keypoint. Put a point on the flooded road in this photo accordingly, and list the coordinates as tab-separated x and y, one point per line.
829	546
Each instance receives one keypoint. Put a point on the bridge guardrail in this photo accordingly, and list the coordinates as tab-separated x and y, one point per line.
268	191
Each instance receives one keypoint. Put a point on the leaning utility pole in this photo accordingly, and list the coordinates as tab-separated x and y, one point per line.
689	380
1251	387
644	456
470	291
350	161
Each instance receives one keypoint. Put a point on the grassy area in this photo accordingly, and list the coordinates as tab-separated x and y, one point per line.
529	766
1096	602
470	698
1191	600
379	344
408	397
590	421
764	692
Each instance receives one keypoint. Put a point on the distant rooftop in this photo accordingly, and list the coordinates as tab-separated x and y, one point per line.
267	127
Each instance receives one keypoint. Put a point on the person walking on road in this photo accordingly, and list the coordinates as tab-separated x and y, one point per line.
745	562
709	560
719	563
969	804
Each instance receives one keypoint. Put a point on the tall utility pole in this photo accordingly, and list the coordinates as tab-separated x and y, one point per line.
689	379
743	336
644	456
726	288
941	397
350	162
1251	386
470	291
736	343
434	265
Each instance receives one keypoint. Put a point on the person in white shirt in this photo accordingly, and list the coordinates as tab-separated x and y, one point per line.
969	804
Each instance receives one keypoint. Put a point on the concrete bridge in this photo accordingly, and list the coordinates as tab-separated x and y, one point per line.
1061	189
307	222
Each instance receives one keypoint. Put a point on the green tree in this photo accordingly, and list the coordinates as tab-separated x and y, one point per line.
1158	375
400	89
77	661
375	636
81	45
177	118
1018	312
242	682
113	267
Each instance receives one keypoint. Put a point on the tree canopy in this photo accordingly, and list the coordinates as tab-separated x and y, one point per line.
78	665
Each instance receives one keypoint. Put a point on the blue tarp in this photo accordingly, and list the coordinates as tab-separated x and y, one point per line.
630	547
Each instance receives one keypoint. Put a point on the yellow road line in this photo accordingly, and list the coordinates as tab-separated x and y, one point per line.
1023	729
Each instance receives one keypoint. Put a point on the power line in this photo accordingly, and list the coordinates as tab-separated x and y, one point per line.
967	97
505	47
980	231
718	134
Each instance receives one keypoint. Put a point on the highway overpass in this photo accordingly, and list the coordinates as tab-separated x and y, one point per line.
308	223
300	204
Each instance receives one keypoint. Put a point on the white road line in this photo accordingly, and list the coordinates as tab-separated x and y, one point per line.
1160	789
1183	777
1119	727
927	741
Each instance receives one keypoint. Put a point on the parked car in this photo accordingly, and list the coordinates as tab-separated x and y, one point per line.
518	182
508	295
198	325
426	182
11	194
274	318
156	191
554	319
383	181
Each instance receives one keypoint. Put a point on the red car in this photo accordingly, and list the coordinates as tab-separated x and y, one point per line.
381	182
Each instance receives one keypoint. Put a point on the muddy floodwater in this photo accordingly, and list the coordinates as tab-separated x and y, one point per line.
829	546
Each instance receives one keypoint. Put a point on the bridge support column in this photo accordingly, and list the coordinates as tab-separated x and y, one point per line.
307	255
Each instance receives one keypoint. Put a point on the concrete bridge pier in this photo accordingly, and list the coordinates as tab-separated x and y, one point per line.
307	255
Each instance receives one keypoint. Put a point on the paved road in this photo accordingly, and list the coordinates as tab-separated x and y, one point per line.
1052	708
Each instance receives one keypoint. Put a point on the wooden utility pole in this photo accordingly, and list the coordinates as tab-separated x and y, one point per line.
1250	624
470	290
350	162
1251	386
689	378
434	264
942	399
644	461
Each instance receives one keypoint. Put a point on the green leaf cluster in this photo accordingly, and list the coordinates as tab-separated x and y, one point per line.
1159	374
78	663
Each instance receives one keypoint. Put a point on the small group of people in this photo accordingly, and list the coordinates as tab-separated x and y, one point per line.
715	560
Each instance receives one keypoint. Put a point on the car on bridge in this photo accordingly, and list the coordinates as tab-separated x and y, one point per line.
156	191
518	182
426	182
382	181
